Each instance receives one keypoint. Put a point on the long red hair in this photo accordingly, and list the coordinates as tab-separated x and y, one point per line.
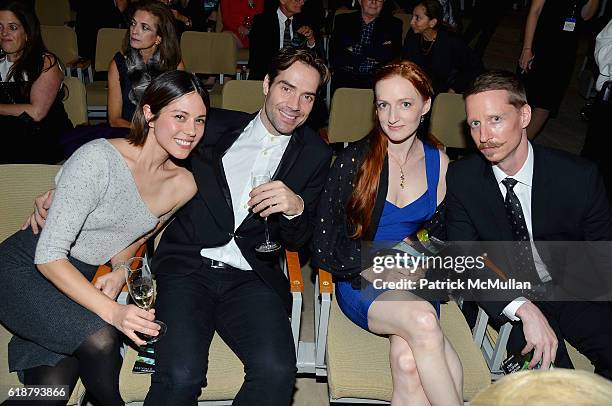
361	204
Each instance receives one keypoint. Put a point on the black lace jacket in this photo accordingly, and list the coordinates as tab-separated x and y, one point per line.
332	249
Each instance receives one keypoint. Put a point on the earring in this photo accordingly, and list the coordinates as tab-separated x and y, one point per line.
422	118
157	42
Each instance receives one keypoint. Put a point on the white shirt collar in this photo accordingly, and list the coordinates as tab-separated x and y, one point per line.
281	18
524	175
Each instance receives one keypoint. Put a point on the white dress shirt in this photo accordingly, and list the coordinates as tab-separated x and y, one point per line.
603	55
256	151
281	24
523	191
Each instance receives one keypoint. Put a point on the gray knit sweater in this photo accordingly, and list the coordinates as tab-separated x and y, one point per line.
96	211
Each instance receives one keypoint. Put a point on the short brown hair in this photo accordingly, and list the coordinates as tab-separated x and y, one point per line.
169	48
289	55
499	80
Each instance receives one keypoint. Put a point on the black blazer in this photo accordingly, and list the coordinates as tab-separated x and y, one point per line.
264	41
208	219
450	63
386	41
568	203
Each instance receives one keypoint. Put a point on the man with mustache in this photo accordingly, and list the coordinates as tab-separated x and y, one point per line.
516	191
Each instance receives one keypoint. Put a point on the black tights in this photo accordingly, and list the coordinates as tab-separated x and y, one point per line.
97	362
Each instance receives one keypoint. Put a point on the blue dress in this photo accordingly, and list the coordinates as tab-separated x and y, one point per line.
395	224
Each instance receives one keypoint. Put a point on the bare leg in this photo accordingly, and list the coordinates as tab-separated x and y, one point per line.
402	313
407	388
454	364
538	120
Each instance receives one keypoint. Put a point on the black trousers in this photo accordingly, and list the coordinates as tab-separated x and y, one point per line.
248	315
585	325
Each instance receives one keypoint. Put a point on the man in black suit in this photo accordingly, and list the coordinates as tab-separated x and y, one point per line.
516	191
209	276
276	28
362	41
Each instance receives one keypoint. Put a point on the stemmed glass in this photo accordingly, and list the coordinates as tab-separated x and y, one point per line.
266	246
142	290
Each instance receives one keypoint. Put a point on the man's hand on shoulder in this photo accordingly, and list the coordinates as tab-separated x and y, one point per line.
275	197
539	335
41	209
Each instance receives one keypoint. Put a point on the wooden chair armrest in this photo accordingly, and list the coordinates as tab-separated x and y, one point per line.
294	271
325	282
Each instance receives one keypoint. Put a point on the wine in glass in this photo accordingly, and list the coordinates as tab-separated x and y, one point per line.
142	290
267	245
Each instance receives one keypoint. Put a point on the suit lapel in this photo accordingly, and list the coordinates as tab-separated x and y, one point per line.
540	195
210	177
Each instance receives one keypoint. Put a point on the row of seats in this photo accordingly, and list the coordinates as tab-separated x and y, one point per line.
351	115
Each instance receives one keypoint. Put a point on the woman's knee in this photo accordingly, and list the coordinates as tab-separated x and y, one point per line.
106	341
425	330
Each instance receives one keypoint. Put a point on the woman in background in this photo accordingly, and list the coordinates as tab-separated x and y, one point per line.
446	58
238	16
549	54
150	47
31	109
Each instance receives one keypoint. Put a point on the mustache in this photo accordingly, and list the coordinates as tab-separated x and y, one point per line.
489	144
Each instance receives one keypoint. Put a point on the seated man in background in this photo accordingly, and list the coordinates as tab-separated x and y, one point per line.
277	28
529	194
362	41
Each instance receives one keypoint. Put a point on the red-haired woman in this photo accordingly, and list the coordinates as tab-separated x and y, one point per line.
384	188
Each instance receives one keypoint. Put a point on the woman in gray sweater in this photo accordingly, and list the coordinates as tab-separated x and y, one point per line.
111	194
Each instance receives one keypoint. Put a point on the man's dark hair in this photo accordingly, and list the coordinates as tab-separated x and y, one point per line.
289	55
498	79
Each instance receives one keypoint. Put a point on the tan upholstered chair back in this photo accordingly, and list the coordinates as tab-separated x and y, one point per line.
53	12
19	185
351	116
109	42
75	102
448	121
60	40
209	52
405	23
243	95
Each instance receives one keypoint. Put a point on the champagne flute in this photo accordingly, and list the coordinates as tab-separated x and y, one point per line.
266	246
142	290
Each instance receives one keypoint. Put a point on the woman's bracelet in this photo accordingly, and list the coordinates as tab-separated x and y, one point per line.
118	265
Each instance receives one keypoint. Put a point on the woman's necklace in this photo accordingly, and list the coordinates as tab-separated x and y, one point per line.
427	44
402	177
